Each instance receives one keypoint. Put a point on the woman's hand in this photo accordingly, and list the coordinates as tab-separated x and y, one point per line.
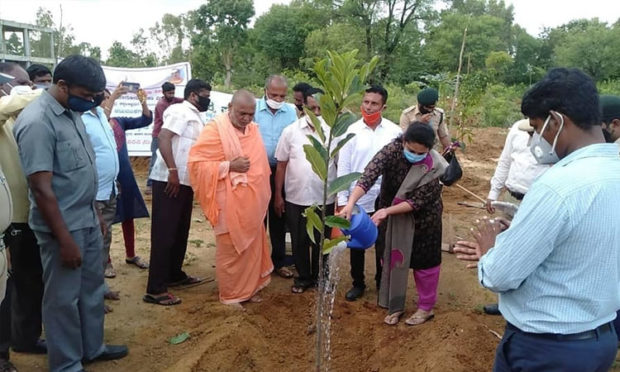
379	216
346	211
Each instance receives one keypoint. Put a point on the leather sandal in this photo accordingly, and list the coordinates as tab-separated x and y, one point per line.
419	318
394	318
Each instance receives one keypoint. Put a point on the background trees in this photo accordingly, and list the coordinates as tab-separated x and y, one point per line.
417	41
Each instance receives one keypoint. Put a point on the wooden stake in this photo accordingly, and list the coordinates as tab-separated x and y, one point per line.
471	193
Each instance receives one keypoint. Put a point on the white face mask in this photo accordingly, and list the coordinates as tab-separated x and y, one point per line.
543	152
274	105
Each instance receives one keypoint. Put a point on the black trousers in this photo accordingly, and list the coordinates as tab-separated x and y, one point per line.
277	228
358	261
5	321
23	303
170	222
305	253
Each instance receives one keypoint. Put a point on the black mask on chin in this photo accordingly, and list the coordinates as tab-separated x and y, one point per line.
300	107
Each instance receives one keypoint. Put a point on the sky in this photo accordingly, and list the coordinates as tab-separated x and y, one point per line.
100	22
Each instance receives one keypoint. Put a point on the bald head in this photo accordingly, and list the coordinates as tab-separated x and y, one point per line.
241	109
243	96
19	74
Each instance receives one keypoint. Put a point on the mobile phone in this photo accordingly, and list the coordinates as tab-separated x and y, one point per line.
131	87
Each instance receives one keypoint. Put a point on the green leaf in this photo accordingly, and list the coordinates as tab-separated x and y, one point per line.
178	339
316	160
313	221
342	183
341	143
318	146
328	110
342	123
316	123
330	244
339	222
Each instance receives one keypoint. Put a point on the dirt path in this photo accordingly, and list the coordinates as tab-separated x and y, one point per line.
274	335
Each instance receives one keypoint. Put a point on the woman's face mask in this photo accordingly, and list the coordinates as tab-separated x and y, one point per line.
412	157
543	152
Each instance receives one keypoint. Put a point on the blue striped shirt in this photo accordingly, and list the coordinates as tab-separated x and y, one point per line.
271	125
557	268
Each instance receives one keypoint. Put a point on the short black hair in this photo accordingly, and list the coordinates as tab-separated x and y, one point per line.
421	133
301	87
311	91
568	91
81	71
37	70
168	86
379	89
195	86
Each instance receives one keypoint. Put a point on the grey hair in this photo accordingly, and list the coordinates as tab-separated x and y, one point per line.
278	78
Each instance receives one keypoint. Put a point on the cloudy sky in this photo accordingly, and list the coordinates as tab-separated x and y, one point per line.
100	22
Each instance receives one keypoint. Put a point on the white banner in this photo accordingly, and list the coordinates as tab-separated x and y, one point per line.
151	80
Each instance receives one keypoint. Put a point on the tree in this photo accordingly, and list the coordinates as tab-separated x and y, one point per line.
595	49
280	34
120	56
14	45
224	23
338	37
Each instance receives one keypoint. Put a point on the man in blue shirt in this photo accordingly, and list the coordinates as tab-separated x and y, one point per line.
272	116
106	160
556	268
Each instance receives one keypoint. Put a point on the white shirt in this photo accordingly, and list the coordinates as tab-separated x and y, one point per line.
182	119
6	204
301	185
359	151
517	168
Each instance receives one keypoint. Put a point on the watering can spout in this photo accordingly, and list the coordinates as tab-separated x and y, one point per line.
362	231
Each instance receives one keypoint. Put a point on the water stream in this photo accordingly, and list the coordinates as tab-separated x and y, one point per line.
327	289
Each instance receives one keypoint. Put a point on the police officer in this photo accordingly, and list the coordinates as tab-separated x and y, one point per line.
426	112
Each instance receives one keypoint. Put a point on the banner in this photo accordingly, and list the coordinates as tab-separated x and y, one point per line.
151	80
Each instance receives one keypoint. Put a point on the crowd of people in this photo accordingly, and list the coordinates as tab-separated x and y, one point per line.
66	178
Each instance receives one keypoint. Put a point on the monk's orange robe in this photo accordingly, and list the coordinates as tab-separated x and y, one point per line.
235	204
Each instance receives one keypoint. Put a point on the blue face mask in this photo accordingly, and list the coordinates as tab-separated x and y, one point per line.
80	104
413	158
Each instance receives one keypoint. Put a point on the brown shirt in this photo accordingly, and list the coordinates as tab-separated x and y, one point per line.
438	120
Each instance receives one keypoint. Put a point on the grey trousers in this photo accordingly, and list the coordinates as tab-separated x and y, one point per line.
108	211
73	301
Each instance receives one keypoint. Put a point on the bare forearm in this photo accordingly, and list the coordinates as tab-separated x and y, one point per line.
399	208
280	176
145	109
356	194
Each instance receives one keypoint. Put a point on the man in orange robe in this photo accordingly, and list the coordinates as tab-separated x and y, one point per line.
229	173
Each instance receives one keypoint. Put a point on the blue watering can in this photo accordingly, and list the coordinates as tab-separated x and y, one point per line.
363	231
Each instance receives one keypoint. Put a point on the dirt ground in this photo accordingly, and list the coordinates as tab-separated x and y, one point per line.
274	335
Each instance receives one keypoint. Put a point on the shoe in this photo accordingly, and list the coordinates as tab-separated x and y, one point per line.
109	271
491	309
39	347
7	366
111	352
354	293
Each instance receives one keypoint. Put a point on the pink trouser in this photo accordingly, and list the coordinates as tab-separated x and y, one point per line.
426	282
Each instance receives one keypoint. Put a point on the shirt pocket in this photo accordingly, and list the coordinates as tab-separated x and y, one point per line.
71	155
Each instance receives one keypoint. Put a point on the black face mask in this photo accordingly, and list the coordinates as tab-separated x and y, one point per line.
203	103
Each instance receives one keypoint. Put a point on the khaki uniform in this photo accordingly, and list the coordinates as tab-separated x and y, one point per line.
438	120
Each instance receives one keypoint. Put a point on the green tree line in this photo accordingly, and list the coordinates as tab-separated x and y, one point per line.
417	45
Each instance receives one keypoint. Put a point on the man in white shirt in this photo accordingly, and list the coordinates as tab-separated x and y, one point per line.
372	133
516	170
302	188
173	195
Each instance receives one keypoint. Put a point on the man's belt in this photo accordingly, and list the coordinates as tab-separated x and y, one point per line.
516	195
587	335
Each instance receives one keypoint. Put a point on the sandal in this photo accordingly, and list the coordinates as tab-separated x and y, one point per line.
136	260
188	282
166	299
112	295
419	317
109	271
394	318
284	272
